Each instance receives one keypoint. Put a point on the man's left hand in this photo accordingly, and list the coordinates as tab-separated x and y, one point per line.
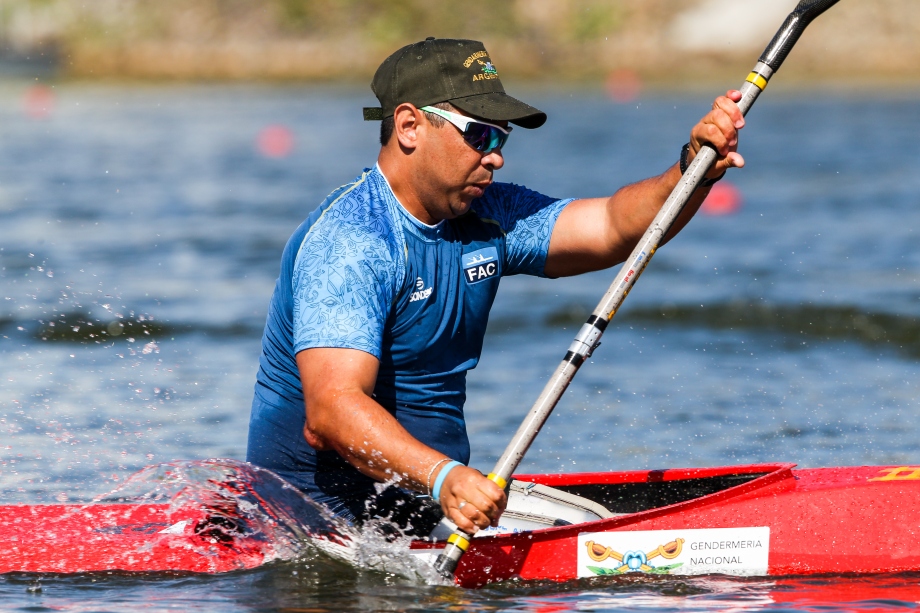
719	129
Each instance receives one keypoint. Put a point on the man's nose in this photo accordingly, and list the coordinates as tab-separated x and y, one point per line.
494	158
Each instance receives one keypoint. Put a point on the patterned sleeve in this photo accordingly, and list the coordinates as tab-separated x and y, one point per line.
527	218
344	281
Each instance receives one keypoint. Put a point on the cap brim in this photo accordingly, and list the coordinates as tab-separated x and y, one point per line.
498	106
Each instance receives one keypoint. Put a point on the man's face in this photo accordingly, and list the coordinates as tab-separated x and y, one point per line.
455	170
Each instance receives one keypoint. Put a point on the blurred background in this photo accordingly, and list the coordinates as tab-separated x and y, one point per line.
156	156
668	43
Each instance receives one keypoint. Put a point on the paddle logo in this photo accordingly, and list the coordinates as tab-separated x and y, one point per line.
480	265
730	551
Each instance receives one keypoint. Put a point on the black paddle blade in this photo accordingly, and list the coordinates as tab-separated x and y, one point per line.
775	53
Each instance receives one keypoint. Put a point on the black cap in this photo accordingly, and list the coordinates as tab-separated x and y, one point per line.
448	70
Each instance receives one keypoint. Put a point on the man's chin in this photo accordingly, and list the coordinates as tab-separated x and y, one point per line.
460	208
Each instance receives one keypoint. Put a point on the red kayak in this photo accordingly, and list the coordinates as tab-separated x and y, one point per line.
767	519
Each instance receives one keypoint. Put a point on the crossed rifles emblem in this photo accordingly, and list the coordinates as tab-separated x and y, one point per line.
635	560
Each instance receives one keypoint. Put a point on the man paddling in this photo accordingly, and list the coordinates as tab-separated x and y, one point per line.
384	292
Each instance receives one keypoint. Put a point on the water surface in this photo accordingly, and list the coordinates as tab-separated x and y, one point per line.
146	226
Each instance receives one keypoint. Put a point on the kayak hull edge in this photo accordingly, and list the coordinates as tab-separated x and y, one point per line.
762	519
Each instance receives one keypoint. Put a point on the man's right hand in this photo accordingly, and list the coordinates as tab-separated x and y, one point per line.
342	416
470	500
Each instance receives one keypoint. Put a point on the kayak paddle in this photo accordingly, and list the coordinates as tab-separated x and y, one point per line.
588	337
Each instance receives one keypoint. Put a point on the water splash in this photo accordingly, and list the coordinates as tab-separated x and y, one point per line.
382	547
211	516
239	504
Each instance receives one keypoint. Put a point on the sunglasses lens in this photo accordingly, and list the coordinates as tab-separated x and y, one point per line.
484	138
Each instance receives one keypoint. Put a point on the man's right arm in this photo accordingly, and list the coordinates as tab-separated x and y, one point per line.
342	416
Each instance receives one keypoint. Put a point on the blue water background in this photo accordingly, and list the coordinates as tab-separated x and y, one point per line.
788	331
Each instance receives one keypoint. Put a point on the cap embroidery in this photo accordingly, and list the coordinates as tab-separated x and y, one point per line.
488	71
469	61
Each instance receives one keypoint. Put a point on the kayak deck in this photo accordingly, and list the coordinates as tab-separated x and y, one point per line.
132	537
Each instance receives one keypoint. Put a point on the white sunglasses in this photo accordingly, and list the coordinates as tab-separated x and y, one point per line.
481	136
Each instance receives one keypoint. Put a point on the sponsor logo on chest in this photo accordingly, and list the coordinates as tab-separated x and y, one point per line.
480	265
420	292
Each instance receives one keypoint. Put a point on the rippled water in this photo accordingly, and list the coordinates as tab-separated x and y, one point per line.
146	226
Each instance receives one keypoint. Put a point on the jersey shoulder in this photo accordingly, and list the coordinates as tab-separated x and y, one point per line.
508	203
349	268
354	223
526	218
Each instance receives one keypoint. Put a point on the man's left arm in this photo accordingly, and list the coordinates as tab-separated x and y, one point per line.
597	233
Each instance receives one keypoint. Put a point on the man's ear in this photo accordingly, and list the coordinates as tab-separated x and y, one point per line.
407	121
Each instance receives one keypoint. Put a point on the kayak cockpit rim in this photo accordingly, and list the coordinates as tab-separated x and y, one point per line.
639	491
636	495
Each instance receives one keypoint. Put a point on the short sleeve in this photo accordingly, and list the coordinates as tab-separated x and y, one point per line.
527	218
344	283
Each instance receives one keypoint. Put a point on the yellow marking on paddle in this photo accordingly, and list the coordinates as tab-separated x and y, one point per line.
901	473
498	480
757	80
459	541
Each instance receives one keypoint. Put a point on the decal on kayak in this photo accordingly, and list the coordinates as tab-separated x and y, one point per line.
176	528
145	528
901	473
480	265
730	551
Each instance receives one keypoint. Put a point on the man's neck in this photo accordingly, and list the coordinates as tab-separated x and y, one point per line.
398	174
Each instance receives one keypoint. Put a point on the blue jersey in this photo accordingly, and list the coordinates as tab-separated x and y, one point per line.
362	273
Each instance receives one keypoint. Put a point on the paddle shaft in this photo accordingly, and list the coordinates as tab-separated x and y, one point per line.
588	337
